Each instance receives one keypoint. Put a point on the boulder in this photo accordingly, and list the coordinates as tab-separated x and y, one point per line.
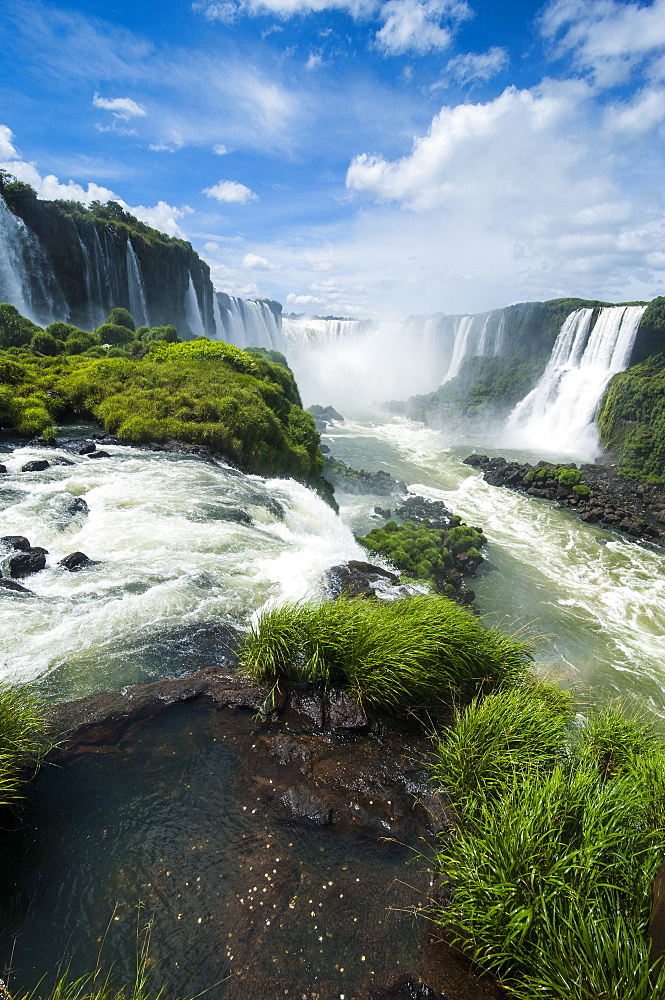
62	461
14	588
16	542
303	804
38	465
77	506
99	454
25	563
76	560
3	468
88	449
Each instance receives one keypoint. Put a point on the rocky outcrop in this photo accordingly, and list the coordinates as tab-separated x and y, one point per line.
635	509
350	480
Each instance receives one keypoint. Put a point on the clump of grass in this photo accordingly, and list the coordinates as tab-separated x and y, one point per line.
22	744
561	832
399	655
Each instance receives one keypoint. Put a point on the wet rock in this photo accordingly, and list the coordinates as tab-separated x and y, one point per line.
324	449
358	579
76	560
324	415
288	749
408	989
382	512
420	510
359	481
88	449
38	465
477	461
15	542
304	701
3	468
303	804
62	461
235	514
78	506
25	563
342	711
99	454
15	588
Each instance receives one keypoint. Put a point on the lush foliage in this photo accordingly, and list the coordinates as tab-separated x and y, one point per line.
202	392
398	655
560	836
632	420
423	552
21	741
563	475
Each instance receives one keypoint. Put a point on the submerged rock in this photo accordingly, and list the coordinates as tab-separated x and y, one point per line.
38	465
77	560
15	588
359	579
15	542
99	454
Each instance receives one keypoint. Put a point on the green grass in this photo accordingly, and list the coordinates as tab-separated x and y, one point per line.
397	655
561	833
22	744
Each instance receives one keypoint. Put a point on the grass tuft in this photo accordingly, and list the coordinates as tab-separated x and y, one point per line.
399	655
561	833
22	744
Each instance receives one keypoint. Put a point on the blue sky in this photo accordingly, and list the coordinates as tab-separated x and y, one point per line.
356	157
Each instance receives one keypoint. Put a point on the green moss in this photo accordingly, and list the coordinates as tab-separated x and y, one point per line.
631	420
202	392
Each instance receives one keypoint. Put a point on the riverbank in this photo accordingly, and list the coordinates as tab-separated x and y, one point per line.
635	508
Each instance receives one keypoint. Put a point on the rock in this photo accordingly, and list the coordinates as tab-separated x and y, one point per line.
476	460
324	449
358	579
25	563
342	711
77	560
3	468
38	465
14	588
359	481
420	510
304	804
99	454
16	542
382	512
408	989
78	506
88	449
62	461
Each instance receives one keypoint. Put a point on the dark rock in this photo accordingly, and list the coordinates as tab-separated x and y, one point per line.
303	804
62	461
99	454
14	588
382	512
359	481
408	989
342	711
38	465
358	579
420	510
288	749
76	560
78	506
235	514
324	449
477	460
465	596
308	703
25	563
88	449
16	542
3	468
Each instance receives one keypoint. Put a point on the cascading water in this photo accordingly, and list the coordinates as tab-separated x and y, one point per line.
558	414
193	310
248	323
27	280
138	305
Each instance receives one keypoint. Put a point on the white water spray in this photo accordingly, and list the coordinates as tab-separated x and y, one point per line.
138	305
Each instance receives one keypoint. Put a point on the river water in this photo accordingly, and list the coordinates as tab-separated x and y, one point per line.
183	545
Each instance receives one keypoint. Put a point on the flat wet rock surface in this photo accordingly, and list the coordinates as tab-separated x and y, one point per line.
275	858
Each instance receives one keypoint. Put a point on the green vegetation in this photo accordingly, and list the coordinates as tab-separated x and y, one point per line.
22	746
651	337
632	419
560	836
562	475
200	392
397	655
424	553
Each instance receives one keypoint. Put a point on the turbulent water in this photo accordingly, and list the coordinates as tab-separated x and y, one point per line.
598	599
180	543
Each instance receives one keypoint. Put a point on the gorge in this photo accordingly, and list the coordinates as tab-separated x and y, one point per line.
186	547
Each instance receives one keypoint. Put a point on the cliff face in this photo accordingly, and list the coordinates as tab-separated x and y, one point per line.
76	264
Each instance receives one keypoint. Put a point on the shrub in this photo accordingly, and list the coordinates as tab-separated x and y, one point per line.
581	490
114	333
121	317
568	477
44	343
15	330
168	334
400	655
560	836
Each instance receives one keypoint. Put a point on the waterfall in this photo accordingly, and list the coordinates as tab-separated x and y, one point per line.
27	279
249	323
559	413
193	310
138	305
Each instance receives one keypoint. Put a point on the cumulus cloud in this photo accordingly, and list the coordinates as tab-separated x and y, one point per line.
304	300
122	108
472	67
161	216
220	149
230	191
229	10
644	112
255	262
7	149
605	37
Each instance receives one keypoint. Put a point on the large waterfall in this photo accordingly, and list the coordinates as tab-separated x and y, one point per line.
138	305
248	323
27	280
558	414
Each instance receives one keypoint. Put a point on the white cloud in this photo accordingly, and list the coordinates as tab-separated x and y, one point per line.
314	60
161	216
7	149
606	37
220	149
471	66
122	108
415	25
170	143
304	300
230	191
644	112
229	10
257	263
